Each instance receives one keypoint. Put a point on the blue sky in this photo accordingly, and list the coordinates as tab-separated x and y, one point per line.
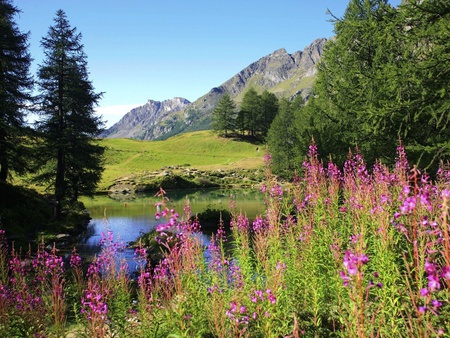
145	49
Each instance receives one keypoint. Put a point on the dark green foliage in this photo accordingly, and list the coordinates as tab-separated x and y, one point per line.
224	116
269	109
257	113
70	159
385	78
15	84
283	139
210	218
427	103
23	212
348	93
249	115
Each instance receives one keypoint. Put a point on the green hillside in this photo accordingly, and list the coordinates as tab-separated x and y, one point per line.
201	150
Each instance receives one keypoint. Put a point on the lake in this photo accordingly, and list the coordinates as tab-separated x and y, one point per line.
127	219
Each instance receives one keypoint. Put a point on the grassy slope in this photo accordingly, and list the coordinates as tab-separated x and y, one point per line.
200	150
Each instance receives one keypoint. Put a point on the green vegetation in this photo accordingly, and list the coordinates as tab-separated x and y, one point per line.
284	139
358	252
337	254
382	80
203	150
15	87
224	116
68	161
60	152
27	217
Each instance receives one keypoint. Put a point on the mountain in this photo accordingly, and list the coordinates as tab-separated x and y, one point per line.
286	75
145	120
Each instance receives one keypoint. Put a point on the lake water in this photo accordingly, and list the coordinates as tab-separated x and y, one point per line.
128	219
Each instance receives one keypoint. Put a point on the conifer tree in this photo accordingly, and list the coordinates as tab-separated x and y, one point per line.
68	126
426	82
385	79
269	109
351	90
250	112
15	86
283	139
224	116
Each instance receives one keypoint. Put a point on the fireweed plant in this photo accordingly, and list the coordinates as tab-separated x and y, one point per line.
337	253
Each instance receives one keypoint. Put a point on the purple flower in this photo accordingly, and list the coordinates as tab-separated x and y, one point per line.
344	277
433	283
240	223
445	194
436	304
446	272
430	268
271	298
424	292
259	224
233	307
408	205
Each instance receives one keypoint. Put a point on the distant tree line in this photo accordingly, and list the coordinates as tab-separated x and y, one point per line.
254	117
60	151
384	79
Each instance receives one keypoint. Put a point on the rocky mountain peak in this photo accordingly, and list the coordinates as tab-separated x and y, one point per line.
134	122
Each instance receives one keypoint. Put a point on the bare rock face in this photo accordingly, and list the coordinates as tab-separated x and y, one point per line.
144	122
286	75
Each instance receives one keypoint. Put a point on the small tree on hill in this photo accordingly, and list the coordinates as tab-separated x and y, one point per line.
224	116
71	160
15	86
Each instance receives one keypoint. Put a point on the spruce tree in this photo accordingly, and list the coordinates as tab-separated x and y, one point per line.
250	112
269	109
426	82
283	139
68	125
224	116
15	86
348	105
385	79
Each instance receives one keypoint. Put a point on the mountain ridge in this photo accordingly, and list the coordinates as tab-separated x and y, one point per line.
284	74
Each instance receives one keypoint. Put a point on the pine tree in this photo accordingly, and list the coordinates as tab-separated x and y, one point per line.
348	105
15	86
250	112
426	82
269	109
385	79
68	126
224	116
283	141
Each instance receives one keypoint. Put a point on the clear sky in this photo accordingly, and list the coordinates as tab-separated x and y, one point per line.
146	49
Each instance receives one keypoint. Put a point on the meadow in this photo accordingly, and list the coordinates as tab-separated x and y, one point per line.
357	252
202	150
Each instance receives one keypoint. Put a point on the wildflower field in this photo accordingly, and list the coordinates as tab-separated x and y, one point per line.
351	253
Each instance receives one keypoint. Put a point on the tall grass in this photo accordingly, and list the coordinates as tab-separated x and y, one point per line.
348	253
